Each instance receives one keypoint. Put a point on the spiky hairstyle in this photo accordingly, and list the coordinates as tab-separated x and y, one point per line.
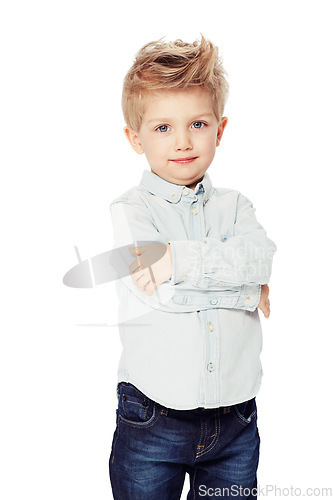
176	65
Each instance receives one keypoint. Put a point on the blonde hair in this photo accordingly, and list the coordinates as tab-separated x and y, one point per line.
178	65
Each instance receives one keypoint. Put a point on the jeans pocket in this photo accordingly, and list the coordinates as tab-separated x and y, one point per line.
246	411
134	408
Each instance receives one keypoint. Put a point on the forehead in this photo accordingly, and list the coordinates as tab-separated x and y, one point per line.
195	99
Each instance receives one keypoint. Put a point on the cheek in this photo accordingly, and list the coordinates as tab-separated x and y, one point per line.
157	145
161	149
208	144
152	149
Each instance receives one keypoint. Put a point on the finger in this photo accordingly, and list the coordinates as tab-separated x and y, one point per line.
135	268
135	250
142	282
265	310
136	264
150	288
138	250
137	275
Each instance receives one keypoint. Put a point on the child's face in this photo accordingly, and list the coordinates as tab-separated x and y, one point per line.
178	125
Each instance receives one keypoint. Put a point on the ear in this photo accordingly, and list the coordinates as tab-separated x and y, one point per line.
221	127
134	140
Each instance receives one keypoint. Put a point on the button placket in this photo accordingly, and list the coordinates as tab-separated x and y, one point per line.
211	339
212	356
210	326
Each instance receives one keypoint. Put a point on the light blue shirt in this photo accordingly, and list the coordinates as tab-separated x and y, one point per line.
196	341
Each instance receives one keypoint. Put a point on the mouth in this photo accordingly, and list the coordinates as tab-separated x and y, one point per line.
185	160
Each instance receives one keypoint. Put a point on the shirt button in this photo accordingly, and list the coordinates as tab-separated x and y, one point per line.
213	301
185	191
210	326
184	277
247	300
174	197
210	367
194	211
224	239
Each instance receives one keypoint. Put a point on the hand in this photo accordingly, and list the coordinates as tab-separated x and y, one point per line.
264	303
152	267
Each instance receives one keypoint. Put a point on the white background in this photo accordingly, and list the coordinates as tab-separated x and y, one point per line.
64	157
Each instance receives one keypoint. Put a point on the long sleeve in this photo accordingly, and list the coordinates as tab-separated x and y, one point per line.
196	341
132	223
244	258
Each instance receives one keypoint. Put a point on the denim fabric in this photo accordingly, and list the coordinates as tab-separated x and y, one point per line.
196	341
154	446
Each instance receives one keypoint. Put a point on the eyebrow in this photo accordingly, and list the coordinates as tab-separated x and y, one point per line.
197	116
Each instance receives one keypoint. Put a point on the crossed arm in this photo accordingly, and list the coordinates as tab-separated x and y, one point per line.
241	263
148	273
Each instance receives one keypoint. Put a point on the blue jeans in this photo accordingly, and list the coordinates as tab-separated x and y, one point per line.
154	446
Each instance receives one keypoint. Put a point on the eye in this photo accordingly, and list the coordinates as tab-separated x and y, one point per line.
162	128
199	124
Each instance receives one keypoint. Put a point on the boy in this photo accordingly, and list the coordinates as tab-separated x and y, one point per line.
190	368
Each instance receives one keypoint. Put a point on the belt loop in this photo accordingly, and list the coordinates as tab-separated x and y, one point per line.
164	410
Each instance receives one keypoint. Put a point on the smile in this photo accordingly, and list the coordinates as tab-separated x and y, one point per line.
185	160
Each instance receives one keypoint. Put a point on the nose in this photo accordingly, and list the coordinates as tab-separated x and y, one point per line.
183	141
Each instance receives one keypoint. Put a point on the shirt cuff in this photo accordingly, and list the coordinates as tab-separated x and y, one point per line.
249	297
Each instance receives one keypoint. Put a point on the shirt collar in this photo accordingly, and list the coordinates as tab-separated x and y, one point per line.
173	192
